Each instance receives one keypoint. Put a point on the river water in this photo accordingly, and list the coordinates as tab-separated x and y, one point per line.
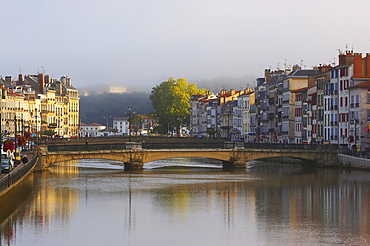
187	201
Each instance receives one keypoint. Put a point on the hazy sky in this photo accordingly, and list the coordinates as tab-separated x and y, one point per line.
140	43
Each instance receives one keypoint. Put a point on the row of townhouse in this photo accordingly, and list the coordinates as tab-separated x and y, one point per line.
326	104
36	103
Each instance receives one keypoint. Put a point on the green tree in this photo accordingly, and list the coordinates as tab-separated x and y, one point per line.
212	132
171	102
49	133
136	121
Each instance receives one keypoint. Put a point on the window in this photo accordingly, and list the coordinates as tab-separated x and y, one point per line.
368	98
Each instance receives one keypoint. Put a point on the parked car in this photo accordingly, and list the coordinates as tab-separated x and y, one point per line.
6	165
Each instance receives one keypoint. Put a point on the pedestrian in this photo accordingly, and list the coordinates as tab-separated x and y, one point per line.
24	159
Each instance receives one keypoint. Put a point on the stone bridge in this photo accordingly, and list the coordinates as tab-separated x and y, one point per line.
231	158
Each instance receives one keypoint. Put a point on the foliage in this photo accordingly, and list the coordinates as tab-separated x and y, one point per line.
49	133
9	145
212	131
94	107
136	121
171	102
351	139
22	140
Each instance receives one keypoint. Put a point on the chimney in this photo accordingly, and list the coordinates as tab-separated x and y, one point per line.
20	79
47	79
268	75
41	80
367	62
342	59
357	65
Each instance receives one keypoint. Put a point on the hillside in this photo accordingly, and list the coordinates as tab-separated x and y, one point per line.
93	108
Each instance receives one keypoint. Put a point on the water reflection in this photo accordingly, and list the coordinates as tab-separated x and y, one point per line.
195	203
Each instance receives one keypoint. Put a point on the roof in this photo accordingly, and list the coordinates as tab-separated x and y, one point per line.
302	89
92	124
365	84
120	118
339	66
303	73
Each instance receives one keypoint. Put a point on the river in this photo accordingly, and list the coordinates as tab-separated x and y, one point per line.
187	201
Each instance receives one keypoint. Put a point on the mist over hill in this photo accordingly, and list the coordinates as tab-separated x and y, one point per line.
94	107
216	84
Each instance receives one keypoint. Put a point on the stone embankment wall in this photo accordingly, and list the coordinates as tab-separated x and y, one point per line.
351	161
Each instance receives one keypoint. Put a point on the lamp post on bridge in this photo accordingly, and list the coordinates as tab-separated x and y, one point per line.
107	118
129	124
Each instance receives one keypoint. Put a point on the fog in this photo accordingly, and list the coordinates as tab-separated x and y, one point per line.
138	44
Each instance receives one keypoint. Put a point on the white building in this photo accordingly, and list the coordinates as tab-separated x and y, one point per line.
92	130
121	125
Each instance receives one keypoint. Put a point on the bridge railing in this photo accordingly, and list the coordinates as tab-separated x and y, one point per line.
175	145
87	147
144	145
191	145
328	147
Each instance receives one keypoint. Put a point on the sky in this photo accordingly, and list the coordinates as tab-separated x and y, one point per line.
140	43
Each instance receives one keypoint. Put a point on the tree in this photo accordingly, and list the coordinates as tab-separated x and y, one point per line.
9	145
171	102
212	132
49	133
136	122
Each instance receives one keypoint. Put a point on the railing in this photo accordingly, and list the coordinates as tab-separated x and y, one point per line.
193	145
16	175
331	147
200	145
89	147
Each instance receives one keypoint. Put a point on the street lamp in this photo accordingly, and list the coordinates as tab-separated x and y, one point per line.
36	130
228	121
15	132
107	118
356	122
129	125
